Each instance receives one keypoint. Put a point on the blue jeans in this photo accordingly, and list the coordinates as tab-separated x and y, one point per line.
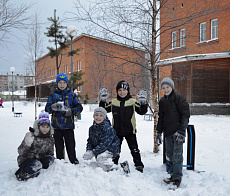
35	166
174	157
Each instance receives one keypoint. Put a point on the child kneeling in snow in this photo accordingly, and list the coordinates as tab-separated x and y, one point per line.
103	142
37	149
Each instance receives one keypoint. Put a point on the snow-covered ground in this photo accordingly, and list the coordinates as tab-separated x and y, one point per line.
212	156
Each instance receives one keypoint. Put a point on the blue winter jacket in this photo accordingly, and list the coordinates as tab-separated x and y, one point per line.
70	99
103	137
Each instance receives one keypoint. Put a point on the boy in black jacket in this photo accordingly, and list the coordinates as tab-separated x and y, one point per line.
123	109
173	121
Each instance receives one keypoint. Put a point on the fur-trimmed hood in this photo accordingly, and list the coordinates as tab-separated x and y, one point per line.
36	129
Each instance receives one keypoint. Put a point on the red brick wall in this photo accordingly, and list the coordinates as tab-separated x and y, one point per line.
102	61
172	12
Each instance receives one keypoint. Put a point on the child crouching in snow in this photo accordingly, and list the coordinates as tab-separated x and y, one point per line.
36	150
102	141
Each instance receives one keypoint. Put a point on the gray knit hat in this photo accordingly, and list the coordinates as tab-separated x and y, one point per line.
100	110
167	81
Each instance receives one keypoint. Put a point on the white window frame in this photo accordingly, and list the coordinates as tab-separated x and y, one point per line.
79	65
182	37
174	39
203	32
214	29
66	68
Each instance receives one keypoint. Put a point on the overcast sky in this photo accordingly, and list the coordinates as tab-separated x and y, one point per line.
12	55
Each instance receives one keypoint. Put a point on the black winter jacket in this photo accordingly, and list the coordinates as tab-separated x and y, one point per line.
124	121
173	113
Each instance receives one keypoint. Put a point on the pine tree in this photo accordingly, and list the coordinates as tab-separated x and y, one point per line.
73	81
59	39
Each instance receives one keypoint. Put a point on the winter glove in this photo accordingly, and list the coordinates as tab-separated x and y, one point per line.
142	97
180	138
103	94
59	106
29	138
88	155
68	112
158	139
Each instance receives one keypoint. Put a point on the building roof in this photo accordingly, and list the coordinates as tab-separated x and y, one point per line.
194	57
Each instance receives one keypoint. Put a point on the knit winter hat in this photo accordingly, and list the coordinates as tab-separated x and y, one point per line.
43	117
167	81
100	110
122	84
61	76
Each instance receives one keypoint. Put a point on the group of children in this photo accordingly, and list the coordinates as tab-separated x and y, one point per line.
104	142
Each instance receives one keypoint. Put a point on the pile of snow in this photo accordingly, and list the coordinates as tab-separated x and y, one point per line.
63	178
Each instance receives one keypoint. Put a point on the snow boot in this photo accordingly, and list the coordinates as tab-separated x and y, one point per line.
140	168
23	176
125	167
175	182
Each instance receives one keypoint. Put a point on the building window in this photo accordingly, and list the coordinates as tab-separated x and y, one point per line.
79	65
66	68
203	32
214	28
174	39
182	37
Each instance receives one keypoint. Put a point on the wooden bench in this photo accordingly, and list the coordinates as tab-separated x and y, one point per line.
148	117
17	114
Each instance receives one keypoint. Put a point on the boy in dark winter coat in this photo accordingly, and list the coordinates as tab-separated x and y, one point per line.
64	105
124	122
102	142
173	121
37	149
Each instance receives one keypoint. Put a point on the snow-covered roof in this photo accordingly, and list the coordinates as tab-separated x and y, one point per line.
39	83
194	57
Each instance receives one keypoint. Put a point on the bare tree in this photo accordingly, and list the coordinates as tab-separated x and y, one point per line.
134	22
34	50
12	17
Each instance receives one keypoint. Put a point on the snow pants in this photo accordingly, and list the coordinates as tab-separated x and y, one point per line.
66	137
32	168
105	160
35	166
174	157
133	146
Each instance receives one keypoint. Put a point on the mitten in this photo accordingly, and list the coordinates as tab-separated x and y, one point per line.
158	139
103	94
142	97
88	155
29	138
59	106
180	138
68	112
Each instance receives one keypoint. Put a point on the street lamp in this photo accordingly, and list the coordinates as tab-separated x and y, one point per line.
71	31
12	69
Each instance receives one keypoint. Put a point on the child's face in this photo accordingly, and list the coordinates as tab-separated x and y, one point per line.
99	118
44	128
62	85
122	92
166	89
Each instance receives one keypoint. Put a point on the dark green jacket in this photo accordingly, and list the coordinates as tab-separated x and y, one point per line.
173	114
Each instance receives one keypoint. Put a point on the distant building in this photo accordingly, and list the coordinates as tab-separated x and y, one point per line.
19	81
104	62
196	54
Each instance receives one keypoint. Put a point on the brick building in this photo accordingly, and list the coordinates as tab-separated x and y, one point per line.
196	50
104	62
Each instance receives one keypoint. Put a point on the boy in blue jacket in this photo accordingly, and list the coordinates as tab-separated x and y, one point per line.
64	105
102	143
